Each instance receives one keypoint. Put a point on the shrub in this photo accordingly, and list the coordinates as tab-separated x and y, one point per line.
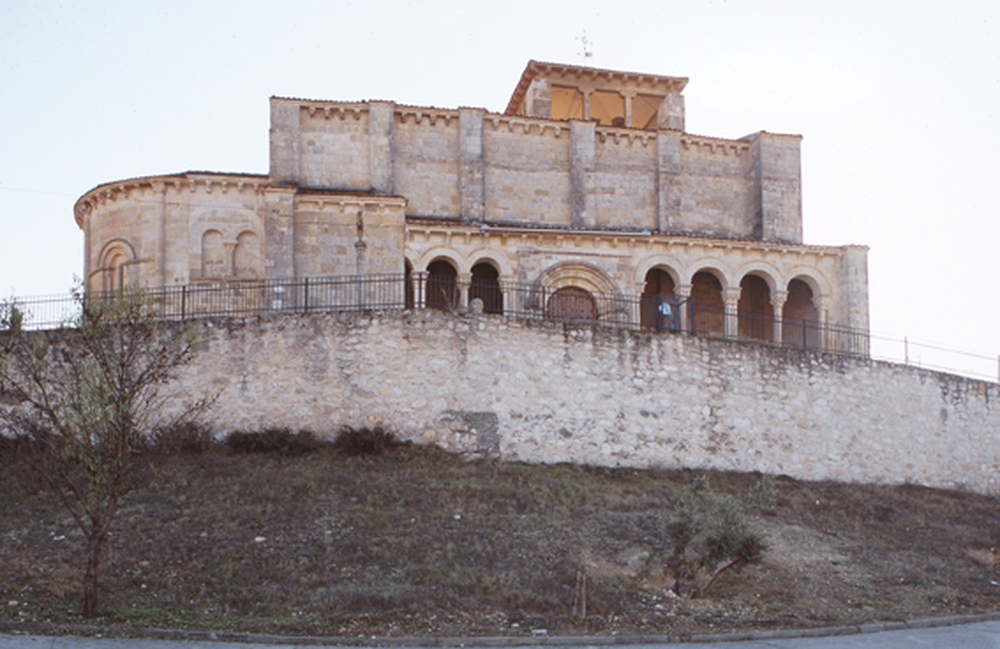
364	441
188	439
274	440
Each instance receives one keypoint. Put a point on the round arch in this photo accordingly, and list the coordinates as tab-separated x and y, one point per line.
492	256
669	265
581	275
815	281
713	266
439	253
761	269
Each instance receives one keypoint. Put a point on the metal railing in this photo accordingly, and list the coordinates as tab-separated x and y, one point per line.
372	293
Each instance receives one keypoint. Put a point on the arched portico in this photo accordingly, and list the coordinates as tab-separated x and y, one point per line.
801	319
658	288
709	302
441	291
756	313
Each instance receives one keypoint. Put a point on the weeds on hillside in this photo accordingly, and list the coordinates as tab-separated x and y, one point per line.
418	542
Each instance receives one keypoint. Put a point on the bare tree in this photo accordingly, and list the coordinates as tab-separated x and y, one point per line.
88	400
709	535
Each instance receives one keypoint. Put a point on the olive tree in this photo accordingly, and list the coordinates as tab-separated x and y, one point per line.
87	400
708	534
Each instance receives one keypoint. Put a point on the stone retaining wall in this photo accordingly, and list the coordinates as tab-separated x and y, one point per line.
540	392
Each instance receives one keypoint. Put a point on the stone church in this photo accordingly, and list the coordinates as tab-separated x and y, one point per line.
586	185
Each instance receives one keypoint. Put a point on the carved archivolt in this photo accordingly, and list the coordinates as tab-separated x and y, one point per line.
580	275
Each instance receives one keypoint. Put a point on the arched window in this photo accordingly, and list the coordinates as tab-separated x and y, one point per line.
800	318
709	308
214	260
116	266
659	288
571	303
116	270
247	259
486	286
442	285
756	315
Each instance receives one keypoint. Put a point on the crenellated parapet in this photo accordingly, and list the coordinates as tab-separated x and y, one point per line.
713	145
420	115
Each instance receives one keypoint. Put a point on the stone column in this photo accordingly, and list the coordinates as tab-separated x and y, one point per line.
629	96
778	299
463	279
419	289
823	338
731	298
683	293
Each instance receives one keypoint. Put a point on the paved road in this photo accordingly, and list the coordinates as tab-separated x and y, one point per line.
977	635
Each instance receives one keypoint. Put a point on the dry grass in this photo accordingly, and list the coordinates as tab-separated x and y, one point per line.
417	542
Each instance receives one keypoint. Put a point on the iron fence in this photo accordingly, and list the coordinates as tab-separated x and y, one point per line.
371	293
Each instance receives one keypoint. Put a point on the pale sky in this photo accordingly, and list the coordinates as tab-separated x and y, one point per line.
898	104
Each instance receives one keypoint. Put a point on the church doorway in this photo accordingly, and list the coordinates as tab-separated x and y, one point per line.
571	303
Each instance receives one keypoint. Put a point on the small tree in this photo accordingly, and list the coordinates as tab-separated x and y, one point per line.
88	400
708	534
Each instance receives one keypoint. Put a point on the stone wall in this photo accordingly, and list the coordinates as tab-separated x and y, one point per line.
540	392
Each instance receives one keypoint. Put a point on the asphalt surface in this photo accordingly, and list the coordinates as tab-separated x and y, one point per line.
982	634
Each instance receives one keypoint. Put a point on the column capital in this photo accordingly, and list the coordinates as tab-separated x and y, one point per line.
682	290
778	299
731	296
